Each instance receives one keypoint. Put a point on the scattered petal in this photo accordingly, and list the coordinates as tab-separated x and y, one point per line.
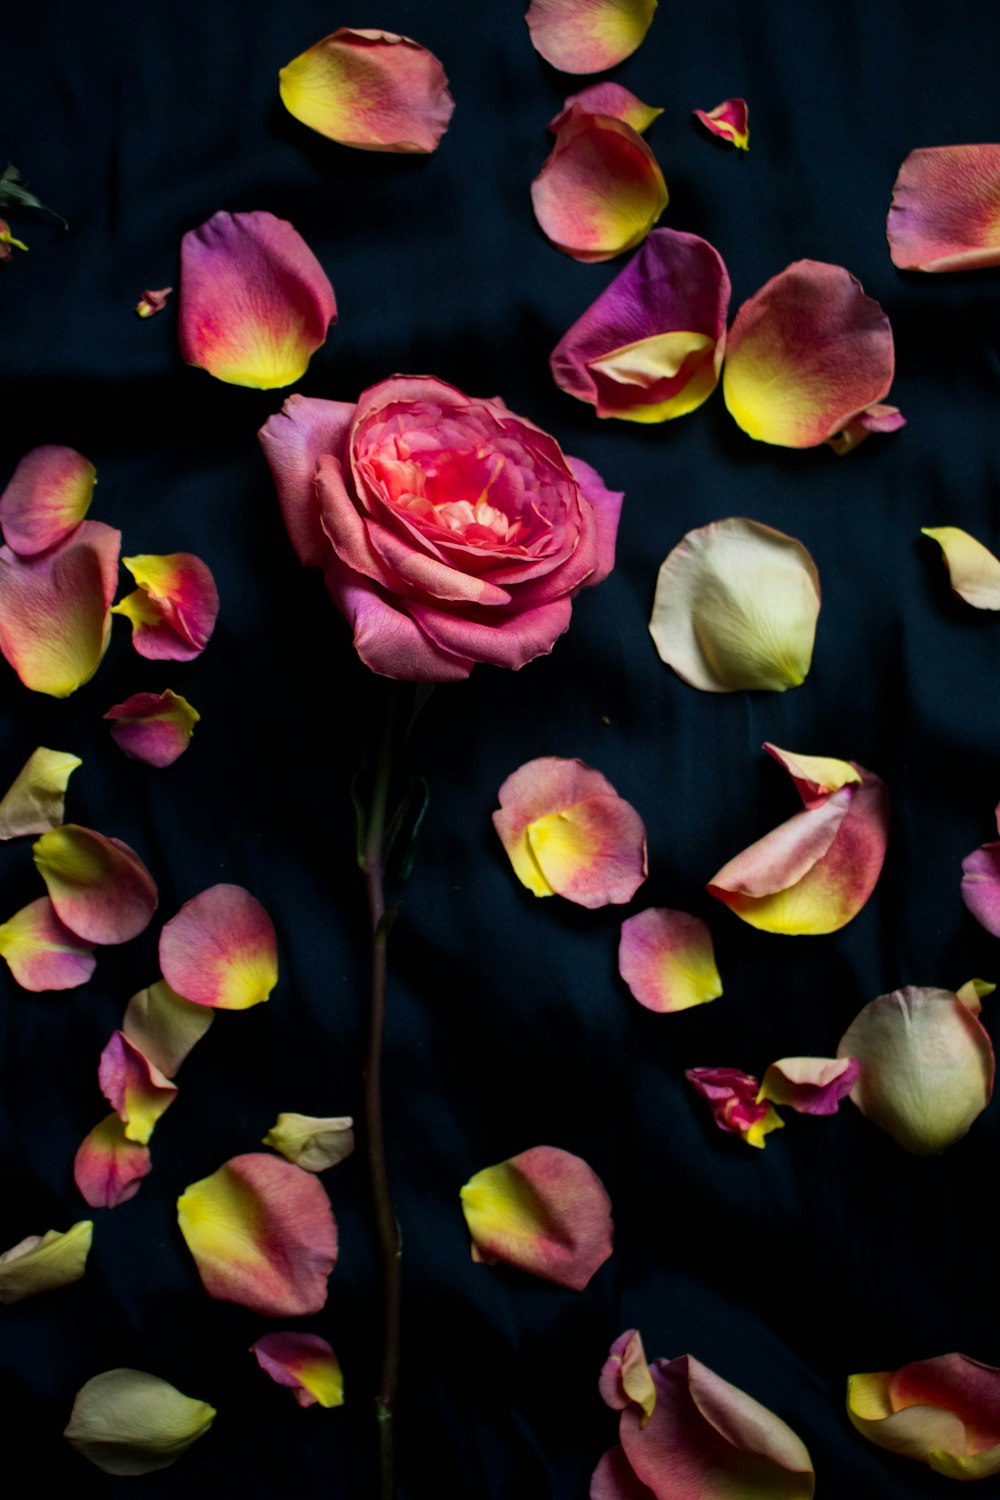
600	191
164	1026
305	1362
607	99
108	1167
312	1142
815	776
943	215
41	952
973	992
810	1085
667	960
153	302
974	571
43	1262
945	1412
262	1234
221	949
981	886
153	727
568	833
733	1099
728	121
626	1376
877	418
926	1067
35	801
99	887
47	498
174	609
136	1089
130	1422
7	240
587	36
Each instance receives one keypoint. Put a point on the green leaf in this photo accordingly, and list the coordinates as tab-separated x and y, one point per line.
13	191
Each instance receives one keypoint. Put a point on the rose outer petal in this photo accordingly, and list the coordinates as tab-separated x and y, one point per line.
972	568
108	1168
943	1411
667	960
174	609
587	36
41	952
47	498
134	1087
99	886
221	950
544	1211
945	212
600	191
35	801
153	727
129	1422
810	1085
43	1262
728	121
306	1363
165	1026
312	1142
294	440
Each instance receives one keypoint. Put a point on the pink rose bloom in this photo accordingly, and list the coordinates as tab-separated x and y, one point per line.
449	530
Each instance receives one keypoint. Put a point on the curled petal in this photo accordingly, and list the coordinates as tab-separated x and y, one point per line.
130	1422
981	886
153	727
626	1376
370	89
312	1142
99	887
43	1262
294	440
973	992
221	950
134	1087
305	1362
806	356
108	1168
667	960
815	776
810	1085
544	1211
945	1412
255	303
972	568
151	303
736	607
587	36
164	1026
925	1067
607	99
174	609
41	952
733	1098
600	191
877	418
7	240
728	121
47	498
35	801
944	214
262	1234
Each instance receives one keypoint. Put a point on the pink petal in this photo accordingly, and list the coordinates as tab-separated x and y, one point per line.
944	209
587	36
388	641
153	302
945	1412
877	418
306	1363
600	191
108	1167
134	1087
810	1085
294	440
816	777
42	953
174	609
728	121
614	1479
625	1376
981	886
35	801
607	99
607	506
733	1099
47	498
99	886
221	950
153	727
667	960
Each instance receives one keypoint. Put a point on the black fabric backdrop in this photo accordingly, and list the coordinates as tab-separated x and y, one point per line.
831	1251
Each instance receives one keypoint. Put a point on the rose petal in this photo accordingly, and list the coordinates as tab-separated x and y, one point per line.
310	1141
262	1234
41	952
130	1422
810	1085
221	949
587	36
614	1479
165	1026
607	506
973	992
806	355
174	609
47	498
733	1099
370	89
99	886
735	607
35	801
153	302
926	1067
943	1411
305	1362
108	1168
728	121
134	1087
601	189
667	960
877	418
388	641
944	214
294	440
43	1262
255	303
815	776
153	727
972	568
981	886
607	99
626	1377
6	240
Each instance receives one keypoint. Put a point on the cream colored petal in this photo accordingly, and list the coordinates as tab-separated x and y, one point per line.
130	1422
311	1141
41	1263
974	571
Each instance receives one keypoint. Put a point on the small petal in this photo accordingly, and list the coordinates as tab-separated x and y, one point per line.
47	498
41	952
974	571
973	992
99	886
153	727
305	1362
600	191
544	1211
607	99
733	1099
944	213
815	776
810	1085
981	886
43	1262
174	609
626	1377
165	1026
587	36
736	607
151	303
667	960
136	1090
130	1422
108	1168
312	1142
877	418
926	1067
370	89
262	1234
728	121
221	950
7	240
945	1412
35	801
255	303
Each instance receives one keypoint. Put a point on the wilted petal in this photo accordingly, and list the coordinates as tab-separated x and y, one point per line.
945	212
43	1262
47	498
626	1376
728	121
877	418
370	89
99	887
735	607
815	776
108	1167
262	1234
221	949
310	1141
305	1362
981	886
973	992
607	99
806	356
667	960
926	1067
943	1411
544	1211
35	801
567	832
130	1422
153	302
6	240
600	191
733	1099
587	36
255	303
41	952
974	571
153	727
165	1026
810	1085
174	609
134	1087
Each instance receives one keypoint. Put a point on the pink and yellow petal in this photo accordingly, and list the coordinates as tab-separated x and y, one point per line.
306	1363
373	90
729	121
7	240
810	1085
150	303
944	1412
108	1168
153	727
544	1211
972	568
733	1098
221	950
35	801
587	36
262	1234
47	498
43	1262
128	1422
945	212
312	1142
99	887
625	1376
134	1087
174	609
41	952
607	99
877	418
600	191
255	303
815	776
667	960
164	1026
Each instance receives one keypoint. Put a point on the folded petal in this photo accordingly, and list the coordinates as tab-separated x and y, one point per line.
972	568
607	99
151	303
815	776
35	801
607	506
388	641
306	1363
981	886
877	418
310	1141
262	1234
99	886
221	949
6	240
134	1087
736	607
41	952
926	1067
153	727
587	36
43	1262
174	609
945	212
108	1168
945	1412
255	303
728	121
294	440
544	1211
370	89
165	1026
733	1098
600	191
626	1376
130	1422
614	1479
667	960
806	355
973	992
47	498
810	1085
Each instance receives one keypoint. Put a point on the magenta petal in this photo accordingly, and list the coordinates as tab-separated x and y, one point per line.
294	440
153	727
46	499
810	1085
981	886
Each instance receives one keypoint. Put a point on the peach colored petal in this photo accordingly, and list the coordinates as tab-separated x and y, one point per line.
35	801
255	303
815	776
43	1262
153	727
129	1422
47	498
174	609
972	568
221	950
134	1087
945	212
108	1168
151	303
306	1363
667	960
99	886
607	99
165	1026
262	1234
810	1085
626	1377
544	1211
41	952
945	1412
600	191
370	89
728	121
587	36
733	1098
312	1142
